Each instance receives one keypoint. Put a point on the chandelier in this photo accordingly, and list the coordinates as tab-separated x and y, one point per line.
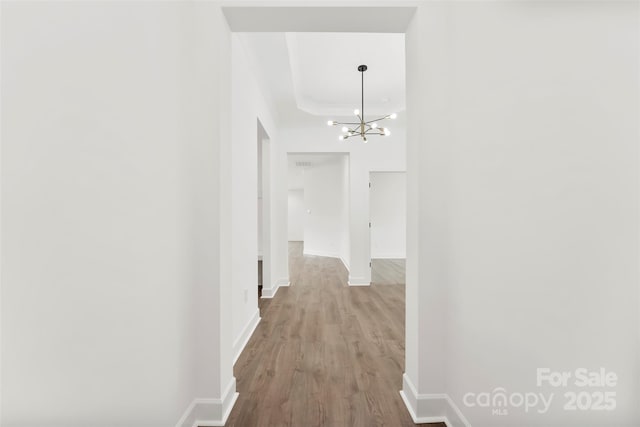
362	127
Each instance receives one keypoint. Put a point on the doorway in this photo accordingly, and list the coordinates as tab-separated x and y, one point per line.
318	204
388	227
268	19
264	204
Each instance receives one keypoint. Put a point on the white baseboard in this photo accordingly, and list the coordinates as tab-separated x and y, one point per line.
210	412
358	281
271	292
284	282
240	342
431	408
346	265
389	256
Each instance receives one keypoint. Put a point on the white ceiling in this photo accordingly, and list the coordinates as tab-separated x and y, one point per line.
380	18
316	73
326	80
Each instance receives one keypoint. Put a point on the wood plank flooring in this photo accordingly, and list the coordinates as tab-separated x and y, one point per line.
324	354
388	271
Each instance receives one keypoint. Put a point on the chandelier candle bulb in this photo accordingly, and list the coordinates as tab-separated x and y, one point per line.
362	127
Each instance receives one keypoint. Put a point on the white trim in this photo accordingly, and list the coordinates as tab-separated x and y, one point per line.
423	420
207	412
284	282
431	408
358	281
459	418
389	256
346	265
271	292
240	343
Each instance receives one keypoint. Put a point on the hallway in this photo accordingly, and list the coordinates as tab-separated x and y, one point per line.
324	353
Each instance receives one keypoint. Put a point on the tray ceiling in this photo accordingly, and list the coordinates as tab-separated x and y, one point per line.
317	72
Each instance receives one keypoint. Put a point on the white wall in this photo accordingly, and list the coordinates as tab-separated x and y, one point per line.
279	190
527	204
111	235
248	136
297	214
260	220
345	241
522	189
259	189
251	104
388	213
326	223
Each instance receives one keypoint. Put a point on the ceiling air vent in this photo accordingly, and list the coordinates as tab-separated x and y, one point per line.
303	164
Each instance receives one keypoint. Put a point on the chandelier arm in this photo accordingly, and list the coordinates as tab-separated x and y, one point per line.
362	128
377	120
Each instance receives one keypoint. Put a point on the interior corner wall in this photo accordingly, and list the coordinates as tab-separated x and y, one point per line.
260	201
111	212
427	166
345	242
259	228
532	150
326	225
296	215
279	217
248	106
388	213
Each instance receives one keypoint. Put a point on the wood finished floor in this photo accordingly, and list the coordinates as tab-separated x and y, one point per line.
324	354
388	271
